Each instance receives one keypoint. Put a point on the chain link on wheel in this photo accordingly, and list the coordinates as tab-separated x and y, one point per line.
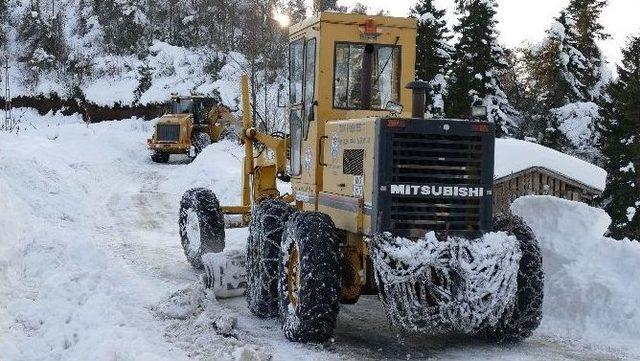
435	287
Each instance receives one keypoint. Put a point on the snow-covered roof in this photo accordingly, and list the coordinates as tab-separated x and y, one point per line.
513	156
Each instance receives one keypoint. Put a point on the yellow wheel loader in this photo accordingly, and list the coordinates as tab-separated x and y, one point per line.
384	201
194	122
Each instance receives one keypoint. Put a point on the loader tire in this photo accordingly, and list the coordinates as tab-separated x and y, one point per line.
159	157
199	142
263	251
519	322
201	225
309	277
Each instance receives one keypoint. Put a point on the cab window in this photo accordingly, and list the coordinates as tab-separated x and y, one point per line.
182	105
296	71
302	79
309	83
366	76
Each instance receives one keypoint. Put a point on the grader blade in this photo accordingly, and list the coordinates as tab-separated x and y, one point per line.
225	273
453	286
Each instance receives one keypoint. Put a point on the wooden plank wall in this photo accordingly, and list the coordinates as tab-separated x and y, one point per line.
536	183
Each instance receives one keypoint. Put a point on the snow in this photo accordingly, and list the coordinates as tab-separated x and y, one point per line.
91	264
592	290
628	168
577	122
514	155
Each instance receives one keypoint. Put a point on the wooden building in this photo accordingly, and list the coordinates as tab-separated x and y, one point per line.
539	181
524	168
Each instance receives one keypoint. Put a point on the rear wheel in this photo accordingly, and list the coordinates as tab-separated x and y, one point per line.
519	322
159	157
309	277
201	225
263	252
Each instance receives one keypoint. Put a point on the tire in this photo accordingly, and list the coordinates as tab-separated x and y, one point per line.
201	225
519	322
263	251
199	142
309	313
159	157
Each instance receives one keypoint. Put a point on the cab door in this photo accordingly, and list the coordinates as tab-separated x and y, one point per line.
302	120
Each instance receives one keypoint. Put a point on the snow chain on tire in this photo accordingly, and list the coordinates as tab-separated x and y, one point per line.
199	142
201	225
159	157
263	251
526	315
312	316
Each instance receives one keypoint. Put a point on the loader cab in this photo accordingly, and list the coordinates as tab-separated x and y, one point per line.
343	66
194	105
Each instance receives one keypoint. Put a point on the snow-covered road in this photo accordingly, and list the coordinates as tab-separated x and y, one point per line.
91	266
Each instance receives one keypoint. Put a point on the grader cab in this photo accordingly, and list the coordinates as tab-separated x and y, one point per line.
384	201
193	123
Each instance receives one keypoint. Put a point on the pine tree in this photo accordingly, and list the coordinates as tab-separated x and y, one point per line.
297	11
620	145
43	46
359	8
87	37
324	5
433	53
586	15
4	17
564	111
477	64
123	23
145	78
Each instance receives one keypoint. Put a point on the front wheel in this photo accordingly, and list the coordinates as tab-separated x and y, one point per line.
199	142
159	157
524	317
201	225
309	277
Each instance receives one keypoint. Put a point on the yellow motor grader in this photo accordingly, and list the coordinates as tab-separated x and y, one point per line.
194	122
384	201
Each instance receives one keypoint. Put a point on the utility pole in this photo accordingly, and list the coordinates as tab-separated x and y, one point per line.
8	119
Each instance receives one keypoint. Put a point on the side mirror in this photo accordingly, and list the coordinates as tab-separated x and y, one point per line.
394	108
281	104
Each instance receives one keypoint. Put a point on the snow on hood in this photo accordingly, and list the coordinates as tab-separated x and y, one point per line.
514	155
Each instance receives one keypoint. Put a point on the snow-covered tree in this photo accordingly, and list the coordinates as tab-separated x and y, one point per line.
43	46
297	10
123	23
4	17
85	42
588	30
567	106
478	62
620	145
324	5
433	53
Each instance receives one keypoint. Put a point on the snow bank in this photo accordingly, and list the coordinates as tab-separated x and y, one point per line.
592	288
218	167
63	294
514	155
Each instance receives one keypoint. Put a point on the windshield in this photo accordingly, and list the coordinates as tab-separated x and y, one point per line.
182	105
366	76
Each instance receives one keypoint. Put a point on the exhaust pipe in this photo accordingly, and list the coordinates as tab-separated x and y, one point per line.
419	90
